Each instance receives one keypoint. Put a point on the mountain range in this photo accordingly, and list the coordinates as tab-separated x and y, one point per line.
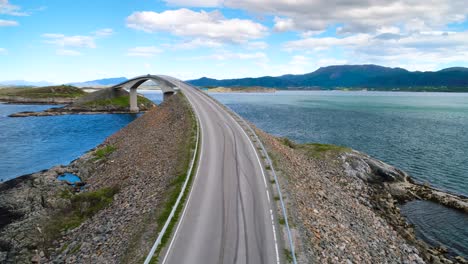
371	77
100	82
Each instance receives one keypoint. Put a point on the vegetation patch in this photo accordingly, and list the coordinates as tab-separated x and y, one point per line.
62	91
317	150
119	102
104	152
287	142
80	207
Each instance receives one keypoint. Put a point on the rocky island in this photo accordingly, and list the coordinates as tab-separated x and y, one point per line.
63	94
103	101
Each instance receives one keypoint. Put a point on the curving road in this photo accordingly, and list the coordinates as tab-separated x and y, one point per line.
227	217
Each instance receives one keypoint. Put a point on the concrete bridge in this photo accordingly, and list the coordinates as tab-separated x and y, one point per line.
132	85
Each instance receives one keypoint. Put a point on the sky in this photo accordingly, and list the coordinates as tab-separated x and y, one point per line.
70	41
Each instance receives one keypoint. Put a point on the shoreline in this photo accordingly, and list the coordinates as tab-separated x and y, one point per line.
401	187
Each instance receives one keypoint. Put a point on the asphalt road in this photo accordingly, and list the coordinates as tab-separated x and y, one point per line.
228	216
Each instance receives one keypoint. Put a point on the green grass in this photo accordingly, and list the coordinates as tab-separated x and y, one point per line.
62	91
75	249
81	207
268	167
318	150
281	221
121	102
104	152
288	256
287	142
276	198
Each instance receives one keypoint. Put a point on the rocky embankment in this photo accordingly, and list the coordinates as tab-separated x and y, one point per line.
344	205
105	101
116	216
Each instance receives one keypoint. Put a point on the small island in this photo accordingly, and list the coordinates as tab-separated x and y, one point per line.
62	94
103	101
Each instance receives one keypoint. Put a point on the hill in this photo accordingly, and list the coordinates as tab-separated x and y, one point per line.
100	82
371	77
61	94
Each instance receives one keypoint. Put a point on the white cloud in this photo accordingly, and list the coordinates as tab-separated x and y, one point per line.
417	51
196	43
150	51
68	52
229	56
3	51
70	41
357	16
8	23
327	43
205	25
239	56
195	3
8	9
105	32
253	45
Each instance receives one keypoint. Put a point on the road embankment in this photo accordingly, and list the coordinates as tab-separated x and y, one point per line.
344	205
128	183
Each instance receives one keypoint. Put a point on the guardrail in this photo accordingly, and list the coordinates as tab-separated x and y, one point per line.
179	198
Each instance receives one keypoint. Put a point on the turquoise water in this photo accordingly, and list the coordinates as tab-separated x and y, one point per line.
425	134
31	144
71	178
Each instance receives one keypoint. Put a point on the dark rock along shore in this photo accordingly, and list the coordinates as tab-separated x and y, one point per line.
142	167
344	205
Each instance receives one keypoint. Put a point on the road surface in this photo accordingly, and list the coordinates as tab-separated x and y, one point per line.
227	217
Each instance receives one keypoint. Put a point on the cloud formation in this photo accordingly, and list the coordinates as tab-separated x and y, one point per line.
8	23
68	52
204	25
70	41
356	16
149	51
13	10
417	51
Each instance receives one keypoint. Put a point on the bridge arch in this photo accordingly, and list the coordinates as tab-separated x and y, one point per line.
132	85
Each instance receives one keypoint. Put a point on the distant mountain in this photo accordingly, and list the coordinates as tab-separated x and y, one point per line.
100	82
25	83
355	76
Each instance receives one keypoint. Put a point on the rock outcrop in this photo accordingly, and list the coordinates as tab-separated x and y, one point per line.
345	205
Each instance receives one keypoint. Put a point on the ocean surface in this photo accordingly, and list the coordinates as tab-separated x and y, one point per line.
31	144
425	134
